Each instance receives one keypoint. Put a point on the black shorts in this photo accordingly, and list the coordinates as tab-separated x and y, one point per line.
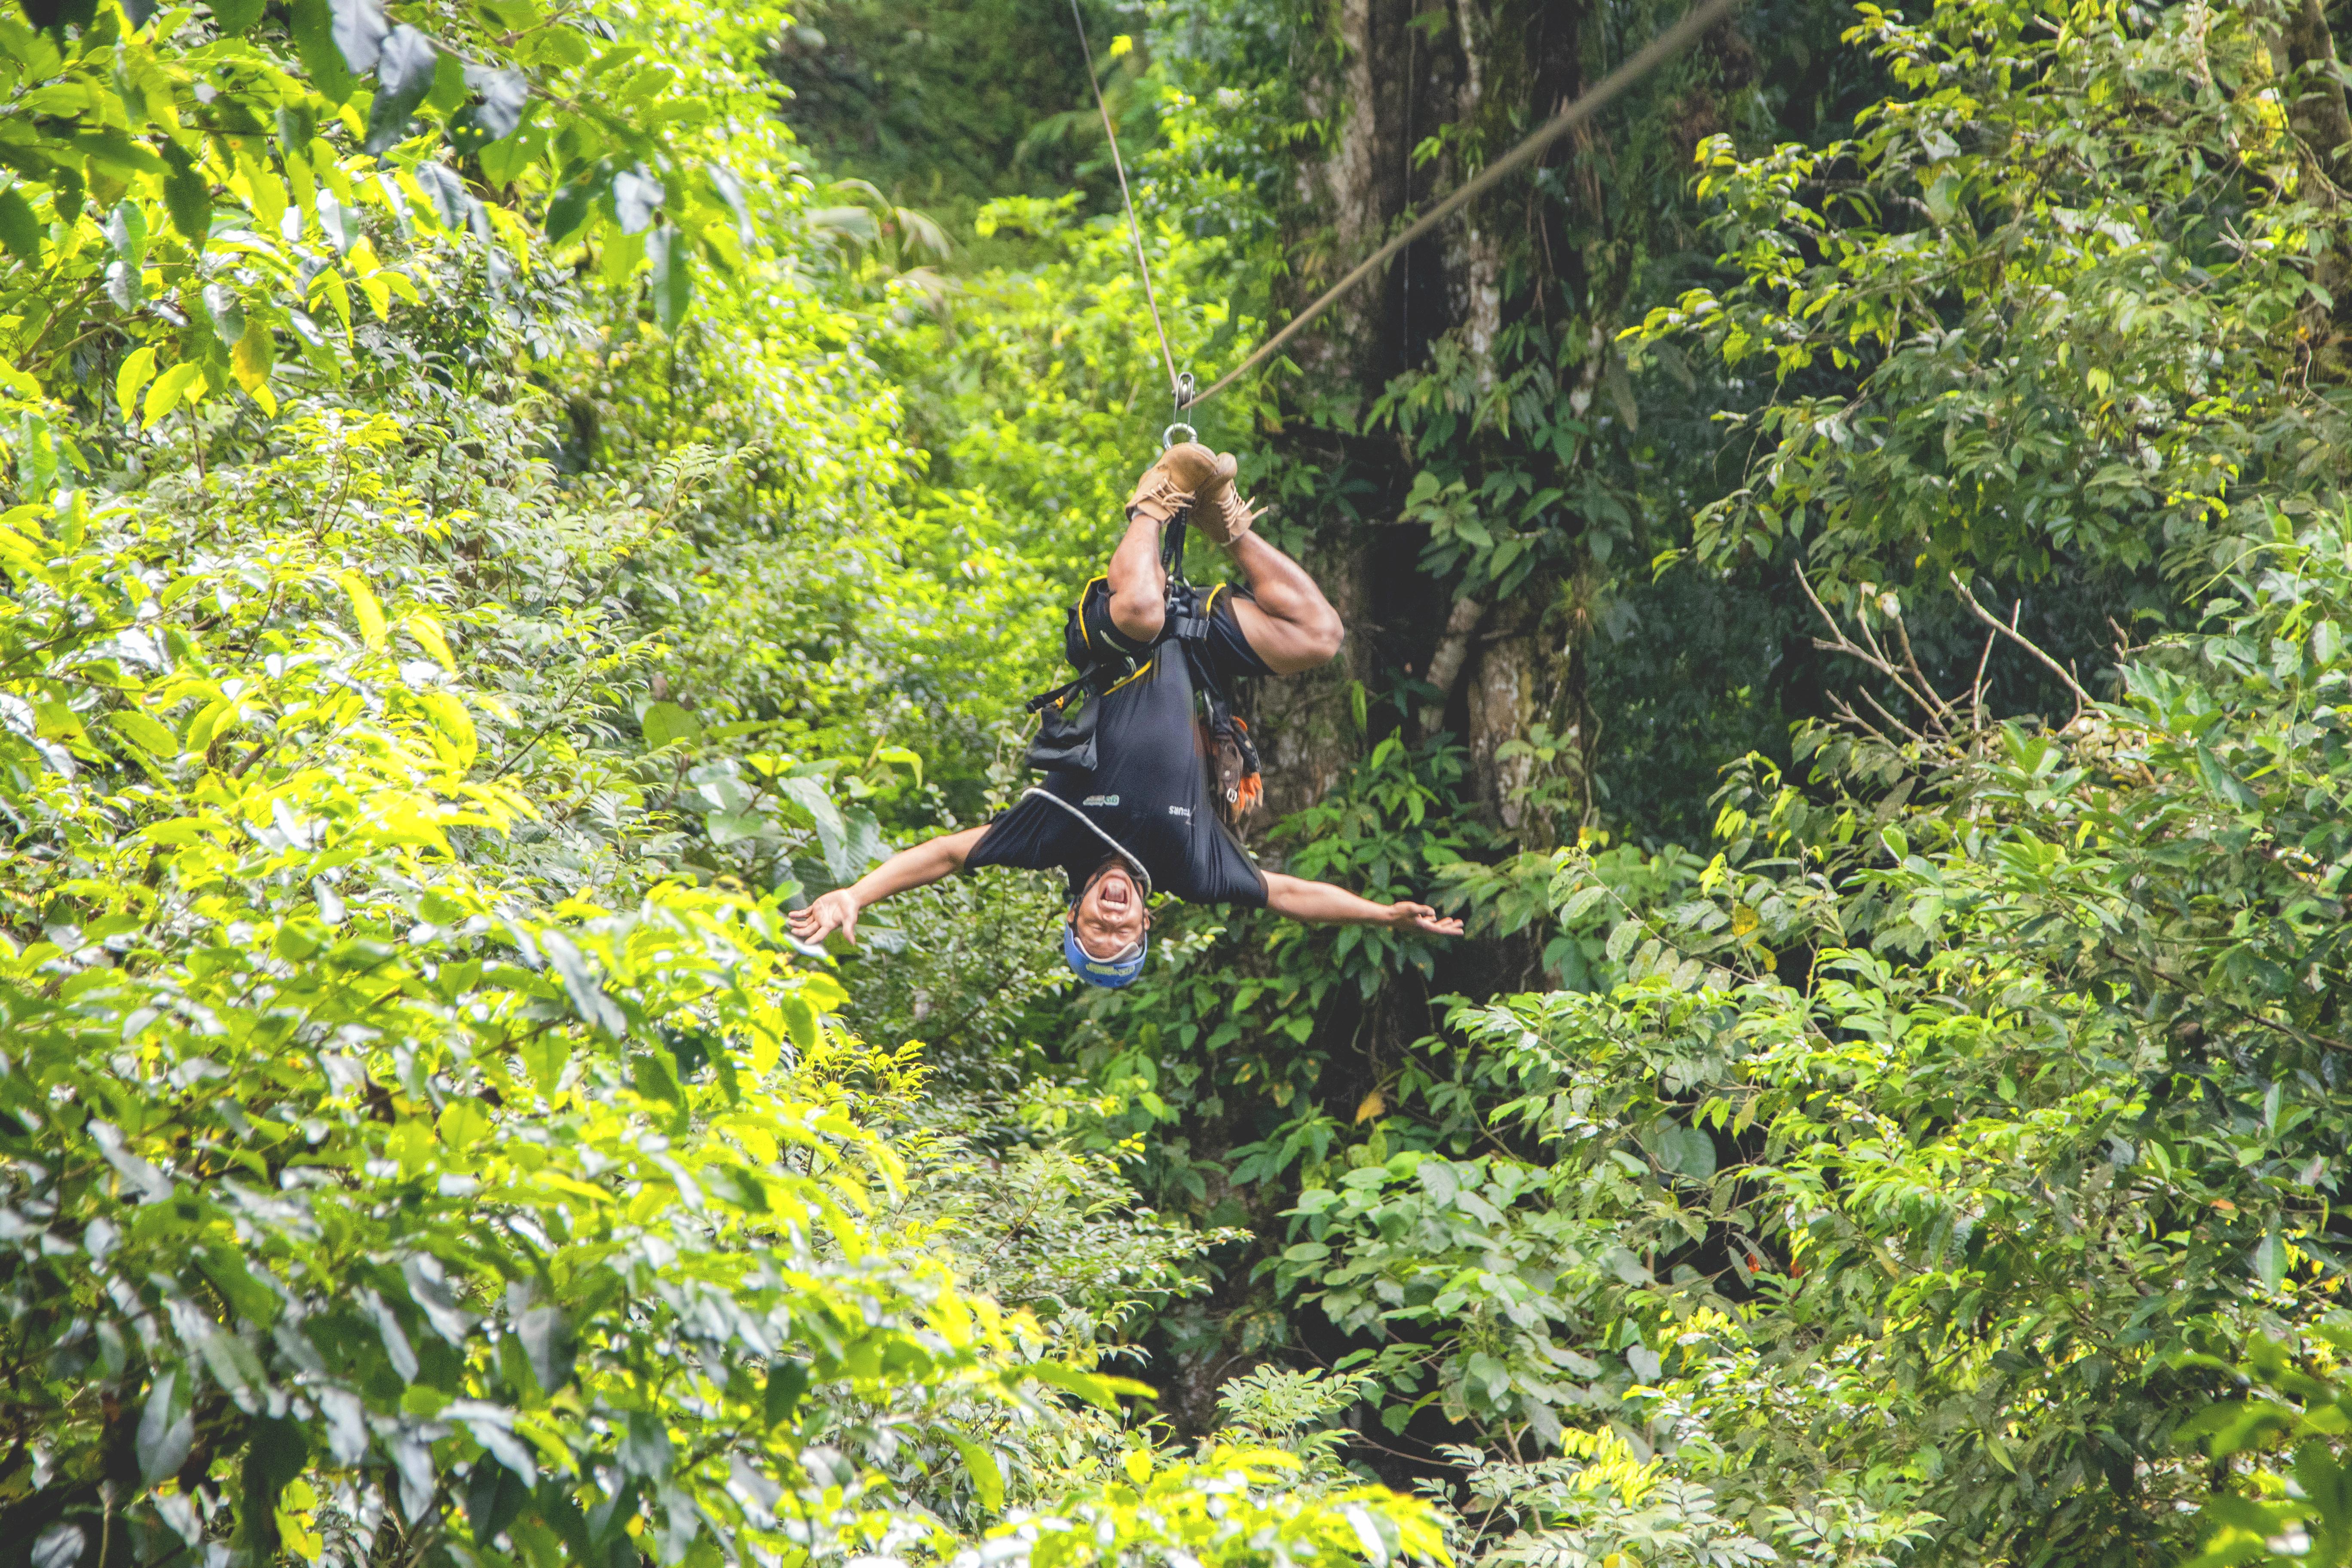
1227	648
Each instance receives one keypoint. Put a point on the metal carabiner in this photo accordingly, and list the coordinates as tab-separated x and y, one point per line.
1181	395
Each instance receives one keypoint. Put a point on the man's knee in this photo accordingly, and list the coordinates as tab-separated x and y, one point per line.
1301	646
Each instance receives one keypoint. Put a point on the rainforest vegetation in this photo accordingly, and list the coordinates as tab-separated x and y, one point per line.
1848	569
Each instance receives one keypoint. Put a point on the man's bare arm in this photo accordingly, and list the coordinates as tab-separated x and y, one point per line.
919	867
1320	903
1139	586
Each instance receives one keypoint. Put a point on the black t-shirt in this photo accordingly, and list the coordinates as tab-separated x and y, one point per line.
1149	789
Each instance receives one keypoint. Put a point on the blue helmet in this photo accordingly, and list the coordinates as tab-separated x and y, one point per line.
1111	973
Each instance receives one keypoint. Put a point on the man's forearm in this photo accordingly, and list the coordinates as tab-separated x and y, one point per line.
1139	588
918	867
1321	903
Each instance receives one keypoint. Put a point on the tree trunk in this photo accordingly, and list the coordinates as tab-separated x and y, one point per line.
2305	49
1505	315
1497	67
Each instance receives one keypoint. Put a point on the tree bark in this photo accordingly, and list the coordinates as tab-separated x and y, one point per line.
2305	49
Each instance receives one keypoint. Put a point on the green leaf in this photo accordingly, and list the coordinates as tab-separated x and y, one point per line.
2219	779
364	609
405	67
787	1379
20	230
62	1545
727	827
1438	1179
1582	902
167	1428
1689	1150
359	32
138	369
904	758
233	16
1622	940
494	1498
148	734
646	1450
987	1478
636	197
111	149
449	89
298	127
568	209
544	1057
504	95
1093	1387
588	998
668	725
169	388
673	275
126	233
187	196
549	1344
275	1454
2270	1259
226	310
313	29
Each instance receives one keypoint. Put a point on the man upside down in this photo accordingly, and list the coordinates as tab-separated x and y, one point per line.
1130	811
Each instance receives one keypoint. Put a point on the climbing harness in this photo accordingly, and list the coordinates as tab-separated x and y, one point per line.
1656	52
1066	739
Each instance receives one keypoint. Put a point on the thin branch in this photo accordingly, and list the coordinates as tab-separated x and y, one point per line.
2082	698
1891	718
1846	715
1977	687
1875	656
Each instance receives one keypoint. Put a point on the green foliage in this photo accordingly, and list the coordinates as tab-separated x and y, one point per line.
422	1142
2040	309
2305	1514
2053	1116
186	212
1879	1172
936	102
420	1198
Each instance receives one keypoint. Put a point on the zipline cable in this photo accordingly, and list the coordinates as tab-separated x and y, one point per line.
1176	387
1656	52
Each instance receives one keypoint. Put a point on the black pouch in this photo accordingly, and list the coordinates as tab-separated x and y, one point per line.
1066	739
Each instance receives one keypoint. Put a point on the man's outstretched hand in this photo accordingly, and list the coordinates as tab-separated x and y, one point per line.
1406	915
837	910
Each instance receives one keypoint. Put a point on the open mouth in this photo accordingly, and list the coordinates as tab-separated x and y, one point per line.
1112	901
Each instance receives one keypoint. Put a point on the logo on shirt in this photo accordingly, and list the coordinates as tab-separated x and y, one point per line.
1100	800
1184	811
